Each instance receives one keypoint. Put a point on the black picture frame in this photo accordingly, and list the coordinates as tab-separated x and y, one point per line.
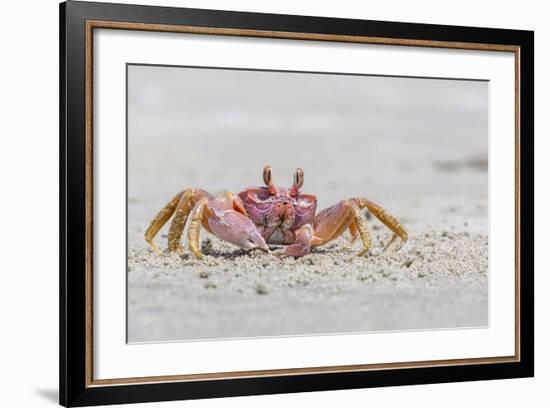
75	389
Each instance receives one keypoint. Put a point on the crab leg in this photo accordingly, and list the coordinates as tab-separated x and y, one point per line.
178	222
179	206
160	219
360	224
386	218
302	244
333	221
354	232
193	233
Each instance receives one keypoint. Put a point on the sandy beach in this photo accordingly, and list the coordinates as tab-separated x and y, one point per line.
421	155
438	280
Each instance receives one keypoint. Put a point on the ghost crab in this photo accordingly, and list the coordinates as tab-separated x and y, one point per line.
258	216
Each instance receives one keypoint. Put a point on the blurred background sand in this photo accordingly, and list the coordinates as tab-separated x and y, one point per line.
418	147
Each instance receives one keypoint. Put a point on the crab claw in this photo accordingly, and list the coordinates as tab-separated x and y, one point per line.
234	227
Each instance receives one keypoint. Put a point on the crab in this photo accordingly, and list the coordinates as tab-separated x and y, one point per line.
258	216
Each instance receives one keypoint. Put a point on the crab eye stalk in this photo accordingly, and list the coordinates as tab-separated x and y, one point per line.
268	179
267	176
298	181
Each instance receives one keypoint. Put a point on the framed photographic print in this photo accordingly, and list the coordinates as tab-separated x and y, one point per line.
257	203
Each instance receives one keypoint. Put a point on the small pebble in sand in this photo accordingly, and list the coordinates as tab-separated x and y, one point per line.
261	289
204	275
210	285
206	245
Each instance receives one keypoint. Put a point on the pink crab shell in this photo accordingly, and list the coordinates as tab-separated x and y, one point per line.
278	212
